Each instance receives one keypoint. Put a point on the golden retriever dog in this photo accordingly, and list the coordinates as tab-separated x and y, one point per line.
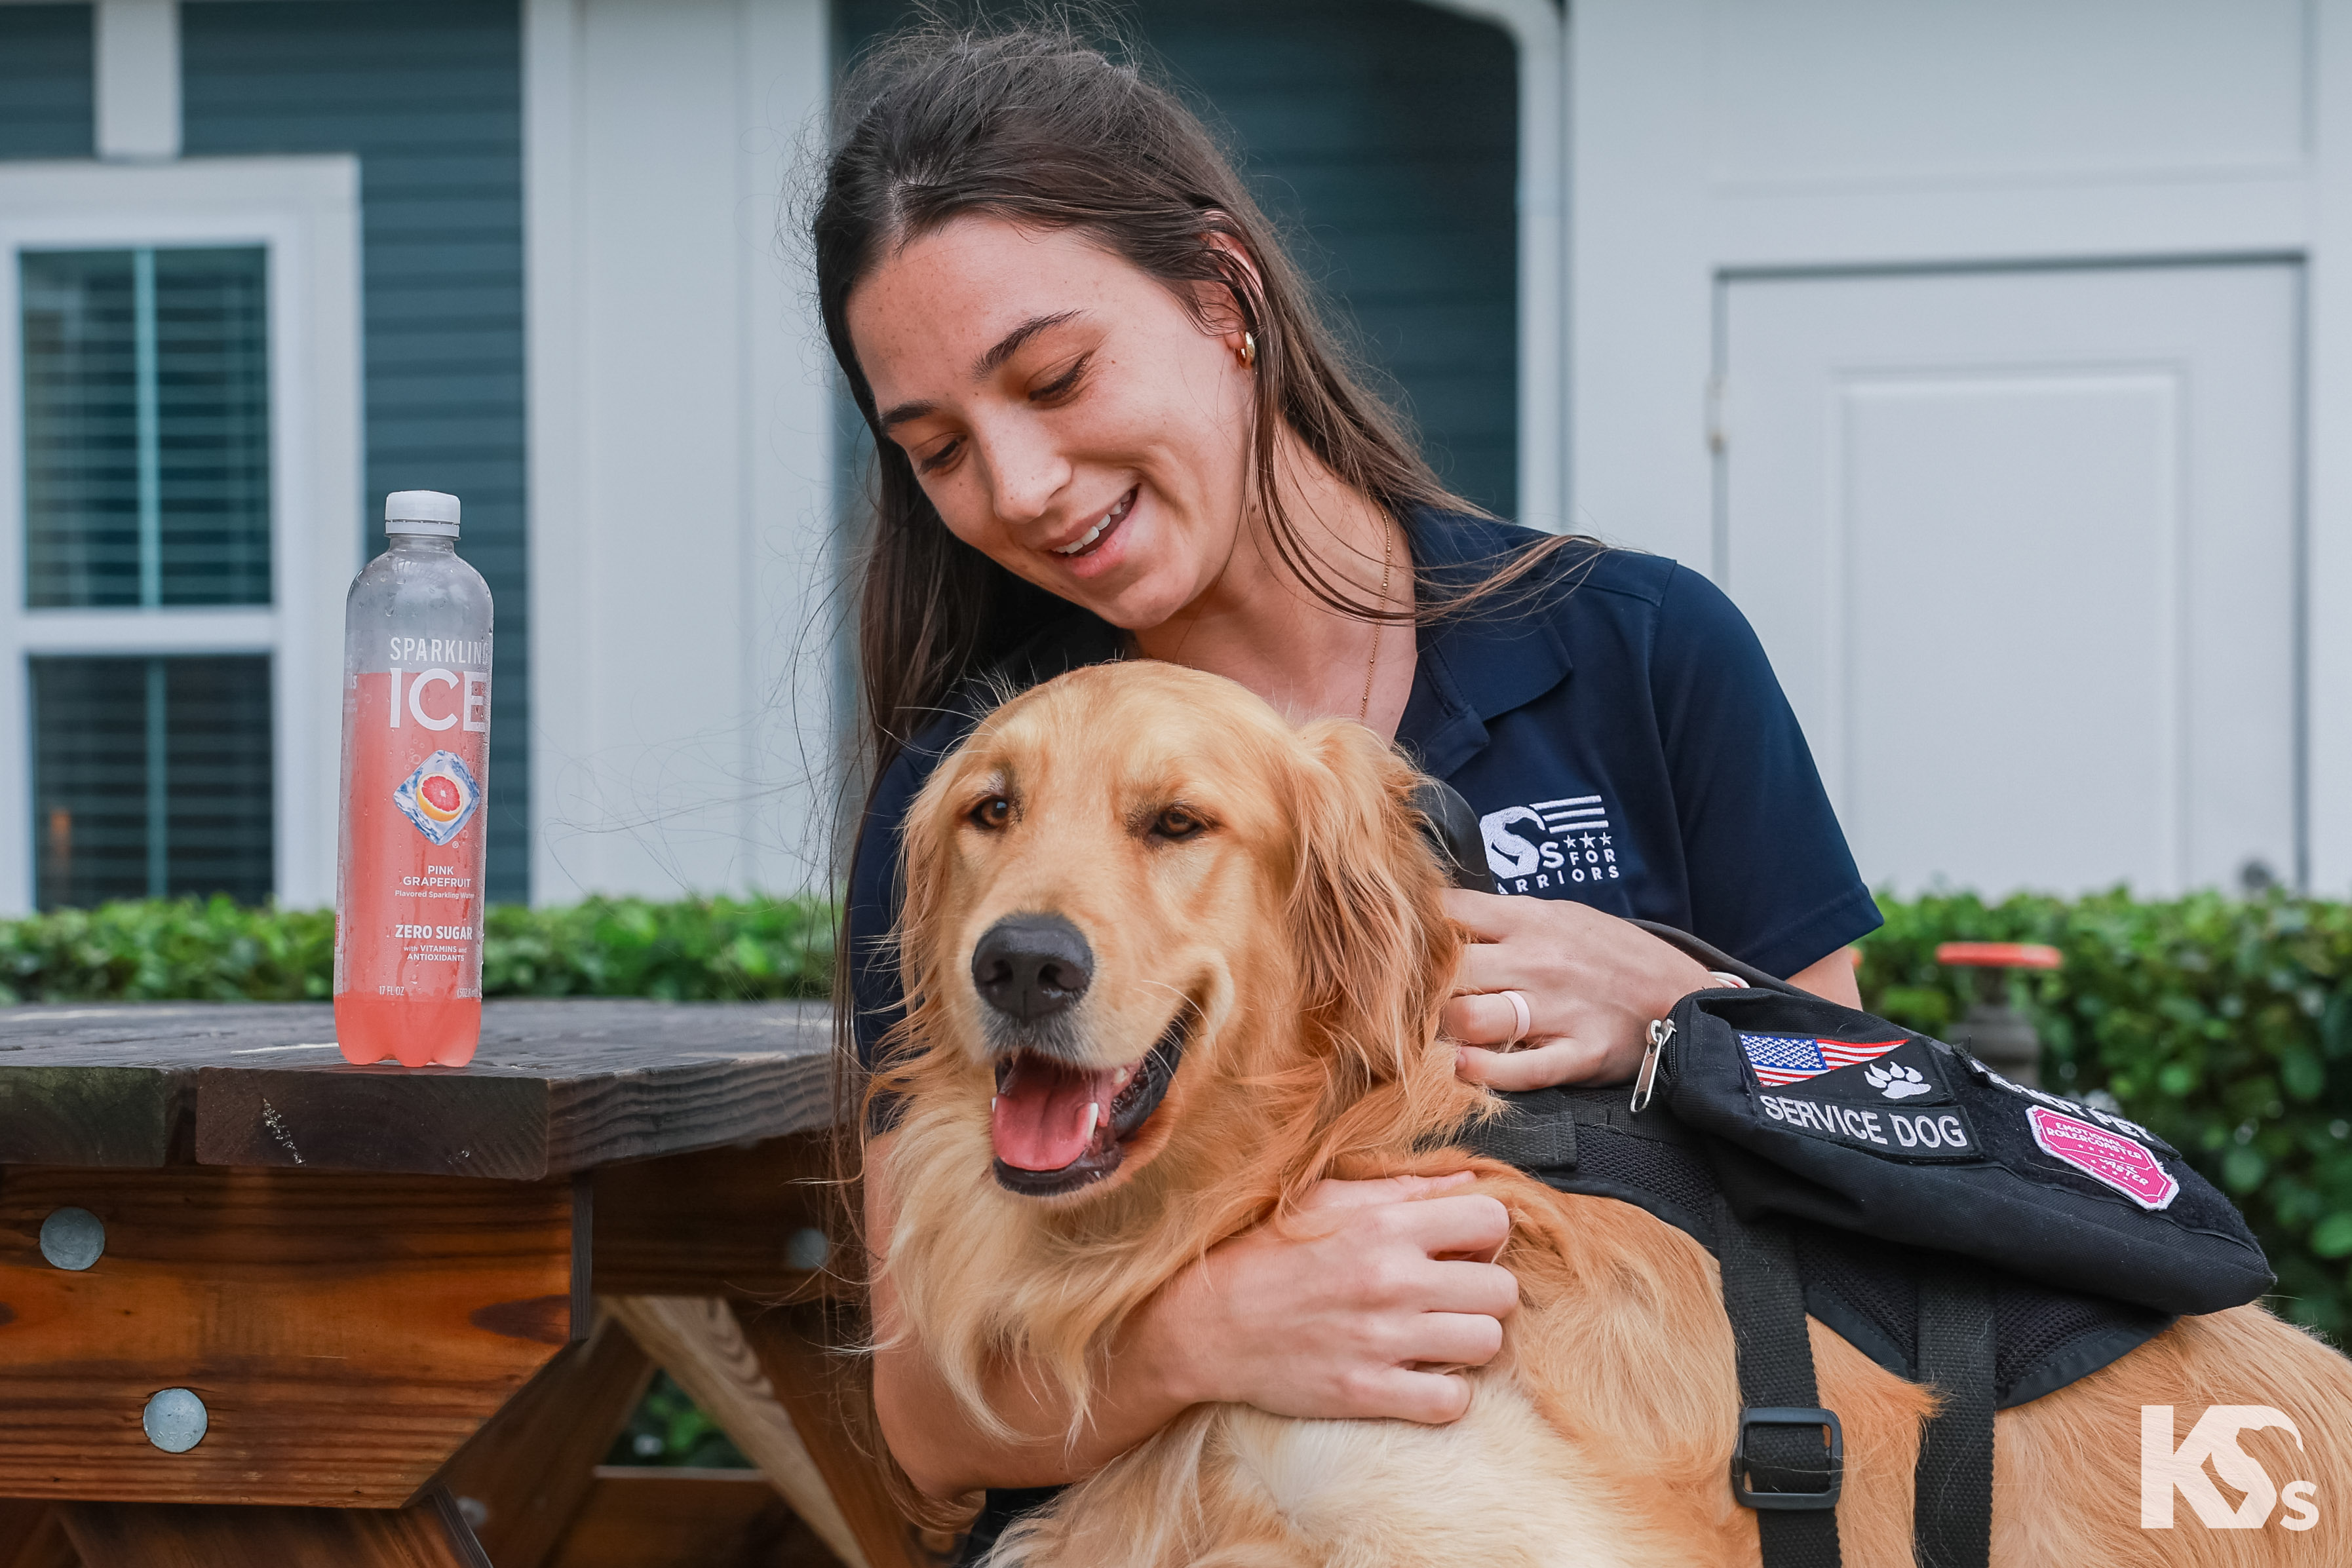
1253	958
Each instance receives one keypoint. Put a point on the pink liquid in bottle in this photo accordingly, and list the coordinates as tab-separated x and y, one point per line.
416	733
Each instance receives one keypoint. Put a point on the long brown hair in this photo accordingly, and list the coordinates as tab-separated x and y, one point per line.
1035	125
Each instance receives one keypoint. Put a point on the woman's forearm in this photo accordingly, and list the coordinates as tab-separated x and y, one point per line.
949	1455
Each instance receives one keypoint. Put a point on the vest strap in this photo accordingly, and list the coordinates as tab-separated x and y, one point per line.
1789	1463
1951	1520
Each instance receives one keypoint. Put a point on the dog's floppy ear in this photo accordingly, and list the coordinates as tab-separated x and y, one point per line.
1372	938
923	865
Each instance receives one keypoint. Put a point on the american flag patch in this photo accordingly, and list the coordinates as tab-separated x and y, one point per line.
1780	1059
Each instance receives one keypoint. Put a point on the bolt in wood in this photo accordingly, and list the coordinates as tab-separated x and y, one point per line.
72	1239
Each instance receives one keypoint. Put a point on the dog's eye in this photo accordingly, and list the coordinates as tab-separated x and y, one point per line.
993	812
1176	822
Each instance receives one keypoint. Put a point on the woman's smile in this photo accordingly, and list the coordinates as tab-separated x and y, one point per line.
1106	545
1106	524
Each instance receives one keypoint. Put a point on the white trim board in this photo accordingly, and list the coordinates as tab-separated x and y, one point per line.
1540	31
138	72
305	211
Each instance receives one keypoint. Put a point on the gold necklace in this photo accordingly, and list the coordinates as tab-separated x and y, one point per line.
1388	560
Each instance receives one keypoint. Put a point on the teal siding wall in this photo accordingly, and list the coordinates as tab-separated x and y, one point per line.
428	94
1383	134
47	104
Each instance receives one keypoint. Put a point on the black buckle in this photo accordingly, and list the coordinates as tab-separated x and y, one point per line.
1788	1416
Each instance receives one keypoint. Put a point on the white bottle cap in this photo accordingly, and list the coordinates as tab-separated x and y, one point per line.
421	512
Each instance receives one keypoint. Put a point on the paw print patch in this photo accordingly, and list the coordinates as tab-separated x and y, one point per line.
1897	1082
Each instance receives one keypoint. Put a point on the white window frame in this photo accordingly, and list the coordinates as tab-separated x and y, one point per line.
305	213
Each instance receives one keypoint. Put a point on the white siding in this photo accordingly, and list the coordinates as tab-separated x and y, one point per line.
682	501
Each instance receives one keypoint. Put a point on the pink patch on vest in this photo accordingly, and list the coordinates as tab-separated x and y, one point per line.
2121	1163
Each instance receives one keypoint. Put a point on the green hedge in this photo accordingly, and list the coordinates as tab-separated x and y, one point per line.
2225	1025
696	950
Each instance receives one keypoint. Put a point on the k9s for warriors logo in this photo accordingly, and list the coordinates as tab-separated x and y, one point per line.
2167	1471
1549	843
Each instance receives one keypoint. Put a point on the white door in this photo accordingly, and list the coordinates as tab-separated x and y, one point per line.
2023	547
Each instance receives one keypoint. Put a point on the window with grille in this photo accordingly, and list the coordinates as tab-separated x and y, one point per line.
151	778
146	490
146	426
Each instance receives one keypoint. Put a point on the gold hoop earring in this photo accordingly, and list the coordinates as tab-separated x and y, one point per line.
1249	350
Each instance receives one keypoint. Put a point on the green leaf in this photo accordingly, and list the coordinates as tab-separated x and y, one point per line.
2332	1236
2301	1074
2244	1168
2336	1025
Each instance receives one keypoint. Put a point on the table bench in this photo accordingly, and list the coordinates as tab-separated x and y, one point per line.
261	1306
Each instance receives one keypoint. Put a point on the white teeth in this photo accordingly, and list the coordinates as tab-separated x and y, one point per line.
1119	1078
1094	1114
1092	534
992	1104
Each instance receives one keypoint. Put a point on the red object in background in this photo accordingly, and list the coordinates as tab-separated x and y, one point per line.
1999	955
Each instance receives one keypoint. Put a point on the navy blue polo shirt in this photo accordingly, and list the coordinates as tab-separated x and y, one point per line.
1612	720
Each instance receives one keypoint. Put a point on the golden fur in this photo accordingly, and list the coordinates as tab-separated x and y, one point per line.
1304	929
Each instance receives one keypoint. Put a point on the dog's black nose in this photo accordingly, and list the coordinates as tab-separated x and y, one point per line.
1030	967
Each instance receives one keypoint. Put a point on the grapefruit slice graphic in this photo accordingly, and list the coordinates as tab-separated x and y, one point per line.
439	797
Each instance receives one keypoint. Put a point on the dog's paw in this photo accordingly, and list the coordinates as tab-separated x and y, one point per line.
1897	1082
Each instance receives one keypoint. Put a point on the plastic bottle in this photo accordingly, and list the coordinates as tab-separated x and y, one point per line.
417	737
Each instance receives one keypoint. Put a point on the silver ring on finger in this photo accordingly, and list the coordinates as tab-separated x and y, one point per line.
1522	1019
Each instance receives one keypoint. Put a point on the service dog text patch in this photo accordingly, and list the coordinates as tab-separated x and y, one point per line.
2129	1167
1887	1097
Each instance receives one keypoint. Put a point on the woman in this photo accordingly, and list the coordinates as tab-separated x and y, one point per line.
1109	425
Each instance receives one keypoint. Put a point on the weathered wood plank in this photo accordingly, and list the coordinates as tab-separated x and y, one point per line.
95	1115
557	1086
527	1472
647	1518
698	1342
115	1535
725	1222
346	1333
808	1351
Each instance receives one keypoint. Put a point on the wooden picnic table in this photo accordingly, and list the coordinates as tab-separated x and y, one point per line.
261	1306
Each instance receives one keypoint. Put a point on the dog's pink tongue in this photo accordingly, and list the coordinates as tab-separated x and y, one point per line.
1040	1121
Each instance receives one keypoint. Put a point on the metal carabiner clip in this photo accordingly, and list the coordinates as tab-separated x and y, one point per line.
1645	1083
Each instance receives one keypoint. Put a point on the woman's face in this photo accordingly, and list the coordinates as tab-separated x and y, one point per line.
1065	413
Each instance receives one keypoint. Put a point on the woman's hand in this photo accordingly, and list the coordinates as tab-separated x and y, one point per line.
1592	983
1355	1308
